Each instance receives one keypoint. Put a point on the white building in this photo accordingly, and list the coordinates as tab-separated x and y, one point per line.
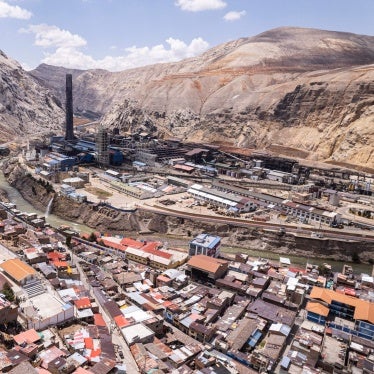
137	333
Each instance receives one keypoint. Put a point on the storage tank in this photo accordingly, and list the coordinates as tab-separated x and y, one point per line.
334	199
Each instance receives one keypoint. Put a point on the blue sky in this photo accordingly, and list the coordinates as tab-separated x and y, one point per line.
121	34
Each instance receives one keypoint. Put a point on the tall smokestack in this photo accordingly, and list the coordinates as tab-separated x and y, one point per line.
69	135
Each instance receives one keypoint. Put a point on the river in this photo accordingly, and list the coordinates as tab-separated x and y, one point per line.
24	206
336	266
15	197
299	261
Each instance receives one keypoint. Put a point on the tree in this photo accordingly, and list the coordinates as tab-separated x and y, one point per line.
92	237
8	292
68	241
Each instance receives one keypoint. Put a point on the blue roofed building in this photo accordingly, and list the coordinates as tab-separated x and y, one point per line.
58	162
205	244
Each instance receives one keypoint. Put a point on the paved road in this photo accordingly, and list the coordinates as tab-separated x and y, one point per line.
6	254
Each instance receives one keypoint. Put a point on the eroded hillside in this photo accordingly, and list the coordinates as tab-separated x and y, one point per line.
306	89
26	107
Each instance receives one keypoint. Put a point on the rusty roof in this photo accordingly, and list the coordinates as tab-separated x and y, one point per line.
24	368
29	336
206	263
103	367
50	354
83	303
99	320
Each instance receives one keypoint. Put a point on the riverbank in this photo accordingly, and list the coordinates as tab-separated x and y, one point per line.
112	221
11	194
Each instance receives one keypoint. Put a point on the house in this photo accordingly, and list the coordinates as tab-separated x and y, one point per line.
137	333
205	267
205	244
8	311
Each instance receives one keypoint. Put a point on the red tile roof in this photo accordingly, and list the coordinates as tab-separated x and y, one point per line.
113	244
55	256
121	321
51	354
128	242
157	252
83	303
29	336
30	250
60	264
99	320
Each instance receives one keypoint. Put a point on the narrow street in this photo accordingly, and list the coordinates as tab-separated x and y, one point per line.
117	337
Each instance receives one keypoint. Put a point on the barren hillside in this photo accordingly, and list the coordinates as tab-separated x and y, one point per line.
286	88
26	107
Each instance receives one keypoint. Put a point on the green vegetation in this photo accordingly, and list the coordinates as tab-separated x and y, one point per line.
92	237
68	241
101	194
48	186
8	292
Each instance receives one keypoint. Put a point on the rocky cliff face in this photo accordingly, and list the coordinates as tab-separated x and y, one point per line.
107	219
26	107
288	88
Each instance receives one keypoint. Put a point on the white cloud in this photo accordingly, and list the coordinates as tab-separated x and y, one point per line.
234	16
66	51
200	5
13	11
176	50
51	36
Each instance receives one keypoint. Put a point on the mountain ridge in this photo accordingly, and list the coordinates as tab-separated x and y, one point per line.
293	88
26	108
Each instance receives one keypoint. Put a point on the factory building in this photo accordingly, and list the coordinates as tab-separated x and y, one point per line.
102	144
54	162
69	133
230	201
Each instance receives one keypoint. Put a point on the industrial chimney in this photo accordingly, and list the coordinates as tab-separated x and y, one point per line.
69	135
